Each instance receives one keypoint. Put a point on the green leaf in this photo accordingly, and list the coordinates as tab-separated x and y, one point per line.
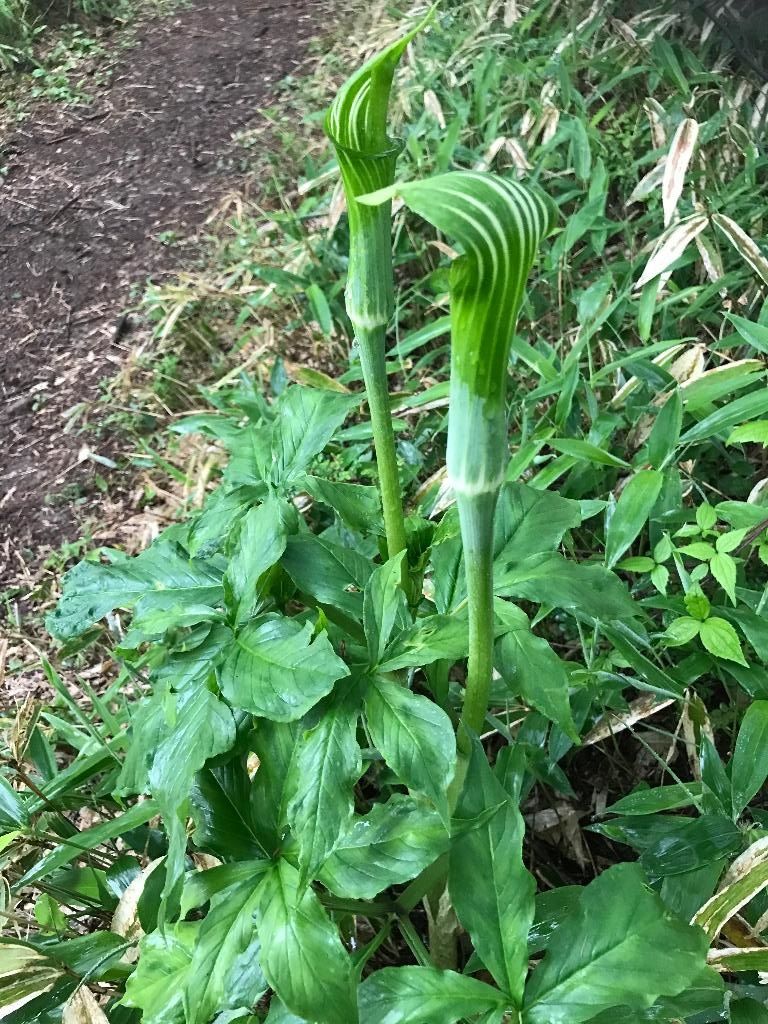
89	839
586	451
89	956
163	575
720	638
586	590
193	668
423	995
333	575
306	420
745	878
201	887
699	550
321	311
531	669
157	985
620	948
750	433
357	505
276	670
222	511
202	726
415	737
552	907
529	520
735	958
665	432
225	823
447	560
749	768
754	627
392	844
723	568
705	995
681	631
730	541
582	155
661	798
747	1011
13	811
274	743
706	516
224	973
727	417
260	545
640	563
697	604
492	892
660	578
432	638
45	1007
695	841
326	765
631	513
754	334
301	953
383	602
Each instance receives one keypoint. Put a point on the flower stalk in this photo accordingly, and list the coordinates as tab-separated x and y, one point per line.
357	126
499	225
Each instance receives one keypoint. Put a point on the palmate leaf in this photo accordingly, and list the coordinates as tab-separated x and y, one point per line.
622	947
326	765
276	670
424	995
163	576
302	955
491	889
499	224
157	985
415	737
224	973
389	846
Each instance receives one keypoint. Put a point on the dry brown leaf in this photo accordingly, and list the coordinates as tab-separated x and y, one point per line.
82	1008
125	920
743	244
676	166
671	246
647	184
511	13
710	257
689	365
759	493
432	106
613	721
655	114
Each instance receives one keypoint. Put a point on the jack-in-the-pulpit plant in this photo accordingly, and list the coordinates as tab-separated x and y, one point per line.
498	224
356	124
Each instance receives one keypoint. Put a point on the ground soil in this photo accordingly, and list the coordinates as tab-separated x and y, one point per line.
86	194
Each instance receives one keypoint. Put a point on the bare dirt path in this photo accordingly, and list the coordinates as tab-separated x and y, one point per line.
85	197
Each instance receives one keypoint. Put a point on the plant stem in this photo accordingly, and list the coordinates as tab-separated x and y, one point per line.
371	344
476	512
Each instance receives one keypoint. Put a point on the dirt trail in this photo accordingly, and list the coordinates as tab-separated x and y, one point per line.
86	195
